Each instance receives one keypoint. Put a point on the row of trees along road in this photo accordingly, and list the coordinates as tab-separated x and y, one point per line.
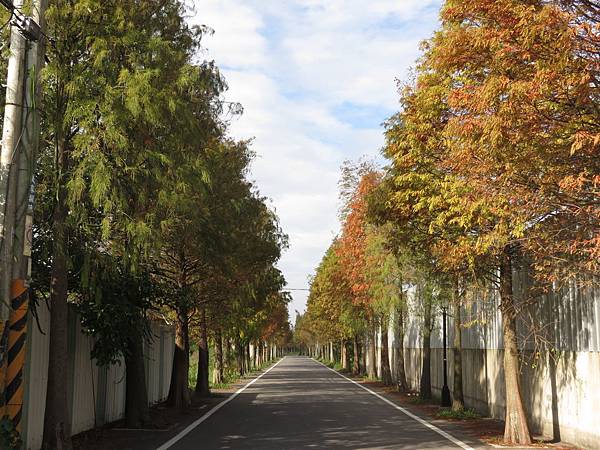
494	165
143	207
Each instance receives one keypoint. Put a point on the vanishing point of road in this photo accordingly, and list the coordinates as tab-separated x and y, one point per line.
300	403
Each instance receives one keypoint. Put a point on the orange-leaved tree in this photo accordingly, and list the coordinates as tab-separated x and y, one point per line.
522	136
353	255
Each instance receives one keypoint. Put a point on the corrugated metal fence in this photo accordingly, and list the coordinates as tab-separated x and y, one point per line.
96	394
561	387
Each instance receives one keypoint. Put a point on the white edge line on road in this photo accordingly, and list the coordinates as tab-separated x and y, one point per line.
405	411
193	425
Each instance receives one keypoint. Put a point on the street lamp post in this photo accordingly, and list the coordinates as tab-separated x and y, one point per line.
445	390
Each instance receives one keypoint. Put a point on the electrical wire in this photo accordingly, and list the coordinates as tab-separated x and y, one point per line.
8	5
21	16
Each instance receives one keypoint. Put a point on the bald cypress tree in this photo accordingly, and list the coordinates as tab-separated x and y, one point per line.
110	90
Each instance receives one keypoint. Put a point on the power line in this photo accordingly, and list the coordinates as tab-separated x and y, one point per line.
7	4
28	27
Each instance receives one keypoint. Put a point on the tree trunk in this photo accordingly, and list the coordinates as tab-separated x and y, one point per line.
202	387
247	356
363	354
516	429
259	352
243	368
218	374
331	355
372	362
137	413
229	353
238	358
386	373
458	401
344	351
400	368
179	392
355	356
425	385
57	420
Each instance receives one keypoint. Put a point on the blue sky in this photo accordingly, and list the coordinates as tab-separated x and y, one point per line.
316	79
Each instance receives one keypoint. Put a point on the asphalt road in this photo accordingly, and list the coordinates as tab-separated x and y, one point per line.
302	404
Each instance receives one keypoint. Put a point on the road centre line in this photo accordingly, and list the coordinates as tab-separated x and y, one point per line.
193	425
403	410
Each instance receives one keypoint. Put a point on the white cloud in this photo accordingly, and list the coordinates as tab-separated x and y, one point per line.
315	77
244	46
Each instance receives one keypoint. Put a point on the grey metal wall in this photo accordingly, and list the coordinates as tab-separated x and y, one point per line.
560	392
96	394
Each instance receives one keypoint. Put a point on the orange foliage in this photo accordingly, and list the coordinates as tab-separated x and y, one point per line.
352	244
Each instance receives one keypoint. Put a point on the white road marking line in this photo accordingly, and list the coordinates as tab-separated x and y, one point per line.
405	411
188	429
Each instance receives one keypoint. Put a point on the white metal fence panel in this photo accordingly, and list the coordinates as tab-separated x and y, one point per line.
36	378
168	345
96	394
84	387
157	359
561	391
115	392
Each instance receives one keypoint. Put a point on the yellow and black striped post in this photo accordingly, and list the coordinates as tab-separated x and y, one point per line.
15	362
3	352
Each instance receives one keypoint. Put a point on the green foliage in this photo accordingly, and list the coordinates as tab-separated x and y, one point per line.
112	308
383	271
463	414
10	438
416	400
328	363
159	216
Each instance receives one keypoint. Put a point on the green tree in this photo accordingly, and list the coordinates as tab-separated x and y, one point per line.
111	90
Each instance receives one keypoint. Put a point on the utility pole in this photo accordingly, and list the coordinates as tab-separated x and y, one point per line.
8	176
11	131
30	141
20	142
